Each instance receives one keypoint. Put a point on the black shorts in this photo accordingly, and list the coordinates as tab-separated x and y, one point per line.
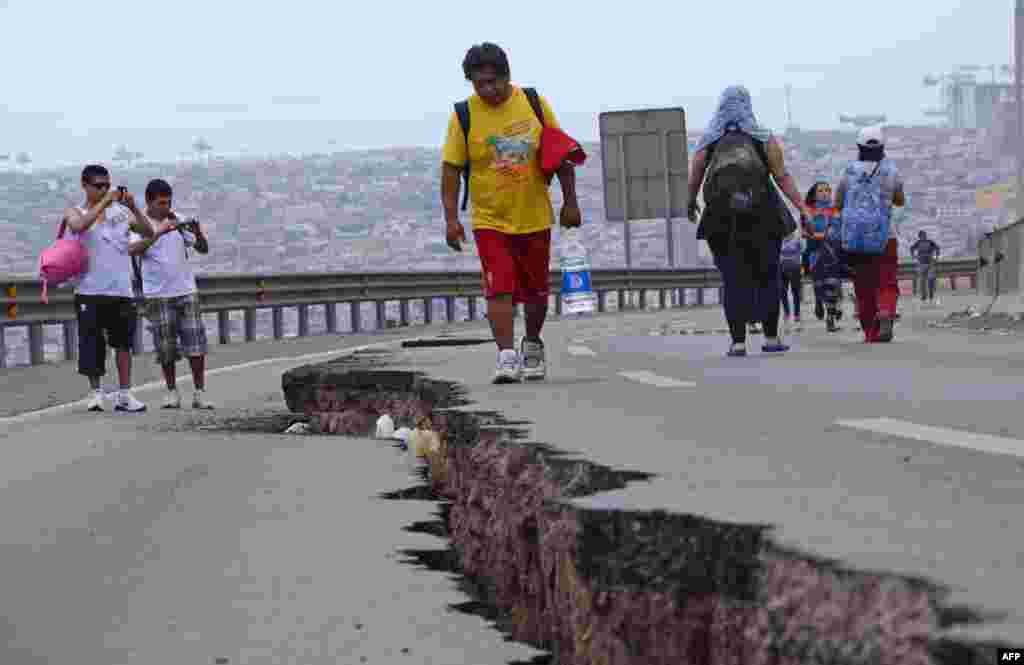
103	321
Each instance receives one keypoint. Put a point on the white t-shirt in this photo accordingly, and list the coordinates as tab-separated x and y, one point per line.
165	269
109	269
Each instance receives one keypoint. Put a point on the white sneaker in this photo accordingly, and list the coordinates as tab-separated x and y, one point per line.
172	400
508	367
199	401
96	401
127	403
534	366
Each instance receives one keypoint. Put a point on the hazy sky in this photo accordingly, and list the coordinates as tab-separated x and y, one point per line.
81	77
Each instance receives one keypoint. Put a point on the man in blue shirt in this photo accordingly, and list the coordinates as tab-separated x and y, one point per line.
925	252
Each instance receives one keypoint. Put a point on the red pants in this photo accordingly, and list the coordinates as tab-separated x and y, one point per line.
876	284
515	265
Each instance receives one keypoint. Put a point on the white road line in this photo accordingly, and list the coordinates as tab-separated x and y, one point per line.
580	351
154	385
655	380
938	435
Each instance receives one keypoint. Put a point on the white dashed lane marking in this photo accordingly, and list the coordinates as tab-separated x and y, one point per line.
580	351
938	435
656	380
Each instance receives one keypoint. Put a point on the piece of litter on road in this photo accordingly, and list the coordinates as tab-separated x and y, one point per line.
580	351
385	427
656	380
298	428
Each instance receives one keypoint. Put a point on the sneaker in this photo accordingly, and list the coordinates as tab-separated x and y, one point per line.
819	311
96	401
534	366
775	347
754	328
830	322
128	404
199	401
172	400
508	367
737	351
885	331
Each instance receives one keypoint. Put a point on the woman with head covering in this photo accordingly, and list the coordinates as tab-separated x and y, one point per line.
736	166
872	187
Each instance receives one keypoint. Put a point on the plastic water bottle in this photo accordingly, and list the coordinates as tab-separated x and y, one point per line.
577	293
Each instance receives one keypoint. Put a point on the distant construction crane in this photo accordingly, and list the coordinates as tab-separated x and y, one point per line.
966	102
789	108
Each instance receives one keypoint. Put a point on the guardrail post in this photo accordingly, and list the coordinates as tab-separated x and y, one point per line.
303	320
449	308
721	294
952	282
602	301
559	305
250	325
140	329
278	319
70	330
662	298
428	310
382	314
224	327
354	316
331	314
3	347
471	306
700	297
35	343
403	311
974	281
621	305
682	297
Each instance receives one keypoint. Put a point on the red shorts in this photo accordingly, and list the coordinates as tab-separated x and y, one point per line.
514	264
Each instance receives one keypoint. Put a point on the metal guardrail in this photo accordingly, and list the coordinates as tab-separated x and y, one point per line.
222	294
1000	270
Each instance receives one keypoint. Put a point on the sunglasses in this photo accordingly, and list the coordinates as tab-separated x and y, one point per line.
100	185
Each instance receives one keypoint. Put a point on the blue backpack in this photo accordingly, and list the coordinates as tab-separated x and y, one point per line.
865	217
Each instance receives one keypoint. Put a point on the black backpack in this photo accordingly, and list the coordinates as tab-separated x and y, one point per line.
462	112
737	181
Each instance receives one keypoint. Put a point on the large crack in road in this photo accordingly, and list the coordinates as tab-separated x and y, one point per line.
552	563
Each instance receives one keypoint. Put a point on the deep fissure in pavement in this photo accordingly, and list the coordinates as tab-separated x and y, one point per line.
597	585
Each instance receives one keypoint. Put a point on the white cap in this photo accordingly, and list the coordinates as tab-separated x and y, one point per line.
869	134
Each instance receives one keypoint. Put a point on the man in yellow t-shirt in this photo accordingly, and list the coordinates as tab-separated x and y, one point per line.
512	212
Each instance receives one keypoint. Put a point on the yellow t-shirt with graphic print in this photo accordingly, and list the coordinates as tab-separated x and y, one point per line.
507	189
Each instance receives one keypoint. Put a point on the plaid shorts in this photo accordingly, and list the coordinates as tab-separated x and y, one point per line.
172	319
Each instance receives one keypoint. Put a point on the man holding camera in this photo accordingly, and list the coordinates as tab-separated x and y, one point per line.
169	288
103	297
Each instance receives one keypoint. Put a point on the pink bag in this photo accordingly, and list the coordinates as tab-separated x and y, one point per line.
63	260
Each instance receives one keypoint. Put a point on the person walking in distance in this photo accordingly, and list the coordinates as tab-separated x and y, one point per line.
925	252
790	269
512	212
170	292
870	188
104	304
737	165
